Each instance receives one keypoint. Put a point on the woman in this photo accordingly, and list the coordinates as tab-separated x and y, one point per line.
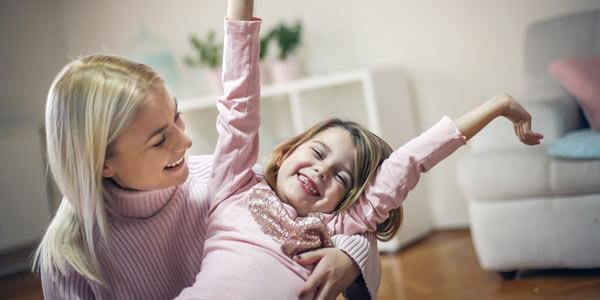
132	221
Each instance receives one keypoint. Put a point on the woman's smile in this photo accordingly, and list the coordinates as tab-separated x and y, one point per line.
177	165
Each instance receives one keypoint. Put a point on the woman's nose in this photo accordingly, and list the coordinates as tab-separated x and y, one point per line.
184	141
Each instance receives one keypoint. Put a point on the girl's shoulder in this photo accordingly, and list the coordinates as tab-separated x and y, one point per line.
200	167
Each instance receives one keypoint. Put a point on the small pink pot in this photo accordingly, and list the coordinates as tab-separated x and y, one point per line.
285	70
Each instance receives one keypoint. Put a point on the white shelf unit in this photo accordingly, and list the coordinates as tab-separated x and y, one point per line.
377	99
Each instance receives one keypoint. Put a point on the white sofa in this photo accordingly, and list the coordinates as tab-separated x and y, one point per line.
529	210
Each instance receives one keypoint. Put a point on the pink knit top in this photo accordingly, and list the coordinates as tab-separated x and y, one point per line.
251	234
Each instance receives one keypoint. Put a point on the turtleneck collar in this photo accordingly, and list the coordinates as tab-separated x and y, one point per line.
137	204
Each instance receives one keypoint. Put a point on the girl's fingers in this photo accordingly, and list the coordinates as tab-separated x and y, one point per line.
532	138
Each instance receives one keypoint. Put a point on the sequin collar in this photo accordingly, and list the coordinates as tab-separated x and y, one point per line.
295	235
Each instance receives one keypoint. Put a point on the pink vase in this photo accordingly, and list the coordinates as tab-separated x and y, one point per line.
213	81
285	70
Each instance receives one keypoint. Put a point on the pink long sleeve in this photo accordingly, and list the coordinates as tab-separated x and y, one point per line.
238	121
398	175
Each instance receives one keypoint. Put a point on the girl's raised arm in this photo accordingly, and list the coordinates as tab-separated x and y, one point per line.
400	173
238	120
502	105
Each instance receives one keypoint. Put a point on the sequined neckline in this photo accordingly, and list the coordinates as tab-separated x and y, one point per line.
294	235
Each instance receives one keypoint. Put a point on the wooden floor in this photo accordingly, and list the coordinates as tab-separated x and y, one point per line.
443	266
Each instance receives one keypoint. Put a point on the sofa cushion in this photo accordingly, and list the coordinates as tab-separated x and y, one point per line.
571	176
524	173
580	144
581	76
505	173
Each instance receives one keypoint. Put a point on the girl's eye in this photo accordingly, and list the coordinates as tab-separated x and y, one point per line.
317	153
161	142
341	179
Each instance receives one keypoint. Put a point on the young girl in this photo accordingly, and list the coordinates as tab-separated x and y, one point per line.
132	221
317	184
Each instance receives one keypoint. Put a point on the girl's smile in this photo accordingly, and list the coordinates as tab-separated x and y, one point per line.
308	185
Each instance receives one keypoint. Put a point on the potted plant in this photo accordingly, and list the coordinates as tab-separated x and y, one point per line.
209	54
288	39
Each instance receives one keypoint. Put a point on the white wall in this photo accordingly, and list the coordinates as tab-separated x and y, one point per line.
457	52
31	54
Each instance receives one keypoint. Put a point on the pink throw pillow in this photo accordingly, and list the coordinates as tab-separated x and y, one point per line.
581	76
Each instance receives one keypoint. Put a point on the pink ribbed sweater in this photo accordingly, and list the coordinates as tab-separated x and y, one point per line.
158	241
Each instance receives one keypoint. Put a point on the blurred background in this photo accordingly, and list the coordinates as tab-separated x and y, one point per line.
455	54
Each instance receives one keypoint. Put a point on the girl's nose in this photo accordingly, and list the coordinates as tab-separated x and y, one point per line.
322	171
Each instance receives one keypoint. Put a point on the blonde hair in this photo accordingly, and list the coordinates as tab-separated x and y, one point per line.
90	102
370	152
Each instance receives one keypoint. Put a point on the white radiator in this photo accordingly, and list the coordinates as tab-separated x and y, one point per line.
24	206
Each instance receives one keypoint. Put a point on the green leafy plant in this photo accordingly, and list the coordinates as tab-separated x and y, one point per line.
209	52
264	45
288	38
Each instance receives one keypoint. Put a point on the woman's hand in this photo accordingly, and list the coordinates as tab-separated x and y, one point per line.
521	120
334	272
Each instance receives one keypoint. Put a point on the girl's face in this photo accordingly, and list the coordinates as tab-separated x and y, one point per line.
149	154
318	174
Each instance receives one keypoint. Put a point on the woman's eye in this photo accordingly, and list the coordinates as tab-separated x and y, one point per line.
177	116
161	142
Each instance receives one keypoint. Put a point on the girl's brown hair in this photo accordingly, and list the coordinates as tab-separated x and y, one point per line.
370	152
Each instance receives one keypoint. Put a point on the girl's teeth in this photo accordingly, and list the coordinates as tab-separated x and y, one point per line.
307	184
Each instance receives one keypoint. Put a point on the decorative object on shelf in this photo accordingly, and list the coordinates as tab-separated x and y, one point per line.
288	38
154	52
208	53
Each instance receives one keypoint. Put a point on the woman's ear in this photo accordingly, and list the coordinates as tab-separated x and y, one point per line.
107	169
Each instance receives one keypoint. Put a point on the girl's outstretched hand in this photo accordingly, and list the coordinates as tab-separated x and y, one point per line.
334	272
505	105
521	120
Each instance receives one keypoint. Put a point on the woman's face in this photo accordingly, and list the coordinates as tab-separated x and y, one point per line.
149	154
